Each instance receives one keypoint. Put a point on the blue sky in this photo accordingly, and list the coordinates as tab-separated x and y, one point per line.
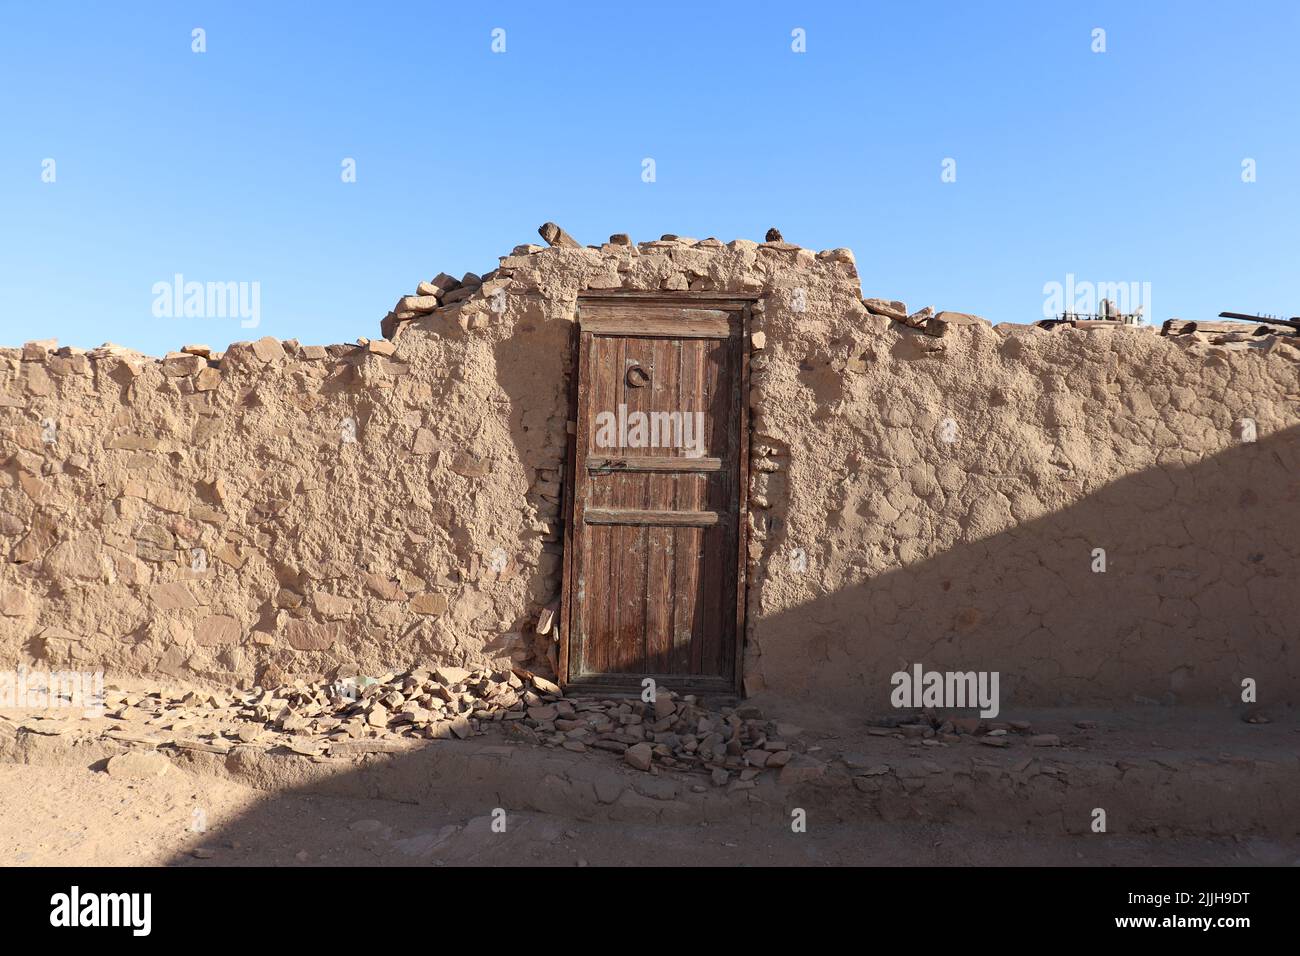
225	166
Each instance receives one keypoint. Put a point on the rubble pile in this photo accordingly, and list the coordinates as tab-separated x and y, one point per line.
938	729
673	732
431	296
353	714
923	320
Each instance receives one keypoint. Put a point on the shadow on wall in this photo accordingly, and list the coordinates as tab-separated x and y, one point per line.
532	368
1198	593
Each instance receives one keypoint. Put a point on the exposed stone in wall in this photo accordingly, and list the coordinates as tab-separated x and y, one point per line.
272	507
950	499
914	496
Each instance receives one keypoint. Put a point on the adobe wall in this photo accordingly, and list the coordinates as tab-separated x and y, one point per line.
286	509
953	493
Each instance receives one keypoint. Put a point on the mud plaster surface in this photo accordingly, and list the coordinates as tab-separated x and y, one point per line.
913	498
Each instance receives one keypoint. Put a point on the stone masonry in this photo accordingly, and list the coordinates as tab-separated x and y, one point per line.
924	487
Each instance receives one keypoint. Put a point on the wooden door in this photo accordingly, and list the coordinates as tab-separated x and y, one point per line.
653	567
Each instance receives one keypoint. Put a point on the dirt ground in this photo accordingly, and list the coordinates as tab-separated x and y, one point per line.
78	816
1181	787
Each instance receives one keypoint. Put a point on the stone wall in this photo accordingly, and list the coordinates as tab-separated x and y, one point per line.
279	507
952	498
916	497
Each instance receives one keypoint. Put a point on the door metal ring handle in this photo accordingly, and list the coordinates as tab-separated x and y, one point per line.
637	377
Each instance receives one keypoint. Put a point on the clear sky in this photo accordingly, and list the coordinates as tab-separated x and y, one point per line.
228	165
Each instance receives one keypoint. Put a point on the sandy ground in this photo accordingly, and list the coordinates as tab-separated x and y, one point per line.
78	816
64	809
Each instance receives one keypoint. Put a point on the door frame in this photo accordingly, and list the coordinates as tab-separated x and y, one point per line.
743	304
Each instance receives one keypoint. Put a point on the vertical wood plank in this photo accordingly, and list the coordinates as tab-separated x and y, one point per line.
734	657
609	598
570	636
662	492
713	398
579	585
598	581
686	626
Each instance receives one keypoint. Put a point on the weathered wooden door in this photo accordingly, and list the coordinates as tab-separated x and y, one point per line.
653	567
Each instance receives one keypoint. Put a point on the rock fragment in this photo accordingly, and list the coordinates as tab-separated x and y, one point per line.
639	756
138	765
555	236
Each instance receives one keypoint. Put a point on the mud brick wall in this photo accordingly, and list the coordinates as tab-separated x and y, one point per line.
284	509
953	492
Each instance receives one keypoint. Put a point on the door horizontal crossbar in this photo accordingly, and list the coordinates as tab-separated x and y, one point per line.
634	516
657	463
